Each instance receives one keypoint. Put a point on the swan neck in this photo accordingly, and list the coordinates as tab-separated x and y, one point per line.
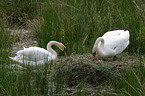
100	45
49	48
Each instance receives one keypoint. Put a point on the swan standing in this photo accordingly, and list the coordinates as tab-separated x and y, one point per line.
111	44
37	55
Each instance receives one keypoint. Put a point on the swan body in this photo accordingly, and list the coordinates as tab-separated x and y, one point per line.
111	44
37	55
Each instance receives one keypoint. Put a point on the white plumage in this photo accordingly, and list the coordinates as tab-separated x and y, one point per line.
111	43
37	55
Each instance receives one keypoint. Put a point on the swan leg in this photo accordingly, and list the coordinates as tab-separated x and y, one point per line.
114	58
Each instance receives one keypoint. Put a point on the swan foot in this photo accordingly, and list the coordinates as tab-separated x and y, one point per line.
114	58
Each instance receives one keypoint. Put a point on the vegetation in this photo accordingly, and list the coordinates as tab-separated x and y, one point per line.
16	12
77	24
132	82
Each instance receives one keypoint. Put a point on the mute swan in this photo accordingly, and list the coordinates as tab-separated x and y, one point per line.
37	55
111	44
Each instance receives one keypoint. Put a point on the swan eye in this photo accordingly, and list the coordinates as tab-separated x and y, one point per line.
65	49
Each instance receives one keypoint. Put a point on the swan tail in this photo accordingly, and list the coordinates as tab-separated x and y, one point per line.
18	57
23	60
13	58
127	33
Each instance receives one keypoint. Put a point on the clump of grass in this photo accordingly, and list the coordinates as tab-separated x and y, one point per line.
81	68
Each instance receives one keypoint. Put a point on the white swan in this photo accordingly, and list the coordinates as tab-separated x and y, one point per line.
37	55
111	44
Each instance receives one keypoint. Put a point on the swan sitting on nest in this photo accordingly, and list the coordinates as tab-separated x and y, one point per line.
37	55
111	44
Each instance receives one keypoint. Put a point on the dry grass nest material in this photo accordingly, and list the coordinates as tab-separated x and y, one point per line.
76	68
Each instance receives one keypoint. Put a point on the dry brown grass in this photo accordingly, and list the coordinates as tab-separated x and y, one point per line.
77	68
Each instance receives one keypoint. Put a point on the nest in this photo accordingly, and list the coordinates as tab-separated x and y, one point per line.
82	68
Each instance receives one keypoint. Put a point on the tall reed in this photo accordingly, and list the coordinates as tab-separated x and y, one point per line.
78	23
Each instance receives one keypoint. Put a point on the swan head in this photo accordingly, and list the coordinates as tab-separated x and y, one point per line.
58	44
94	55
62	47
64	51
94	51
98	46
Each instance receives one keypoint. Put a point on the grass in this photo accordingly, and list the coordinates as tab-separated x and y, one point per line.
76	24
131	82
16	13
3	53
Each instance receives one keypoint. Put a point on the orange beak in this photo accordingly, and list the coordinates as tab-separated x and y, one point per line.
65	51
94	56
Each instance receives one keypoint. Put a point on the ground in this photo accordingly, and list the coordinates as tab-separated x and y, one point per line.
76	68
